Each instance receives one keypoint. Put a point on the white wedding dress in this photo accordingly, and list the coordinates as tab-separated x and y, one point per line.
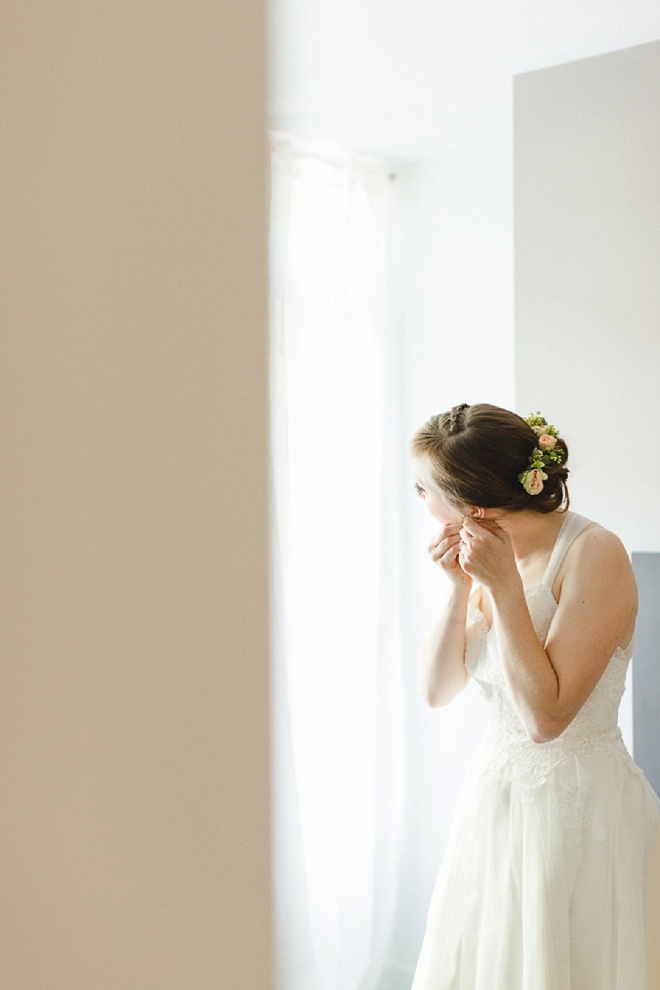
551	876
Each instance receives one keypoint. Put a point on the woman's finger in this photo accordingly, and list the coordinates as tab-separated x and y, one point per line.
450	529
470	526
449	557
452	542
437	550
475	526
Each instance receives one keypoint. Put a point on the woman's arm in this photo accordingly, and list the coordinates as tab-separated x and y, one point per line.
442	671
596	612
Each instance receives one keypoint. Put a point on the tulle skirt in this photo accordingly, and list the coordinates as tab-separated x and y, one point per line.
549	883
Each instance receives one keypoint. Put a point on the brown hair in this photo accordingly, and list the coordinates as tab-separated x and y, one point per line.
477	453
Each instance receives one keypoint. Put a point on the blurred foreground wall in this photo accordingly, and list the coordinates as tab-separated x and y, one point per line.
134	804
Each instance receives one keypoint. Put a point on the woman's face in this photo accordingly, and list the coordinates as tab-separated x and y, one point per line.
436	501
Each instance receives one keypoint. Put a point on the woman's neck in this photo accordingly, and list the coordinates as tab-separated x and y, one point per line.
532	533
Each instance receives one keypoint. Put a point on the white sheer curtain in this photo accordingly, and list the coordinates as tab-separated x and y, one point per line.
336	479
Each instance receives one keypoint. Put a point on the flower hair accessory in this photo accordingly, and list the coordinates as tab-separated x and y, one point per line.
544	454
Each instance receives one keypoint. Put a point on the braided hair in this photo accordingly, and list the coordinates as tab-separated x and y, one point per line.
478	453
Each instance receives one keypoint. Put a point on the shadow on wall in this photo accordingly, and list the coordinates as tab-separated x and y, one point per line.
646	685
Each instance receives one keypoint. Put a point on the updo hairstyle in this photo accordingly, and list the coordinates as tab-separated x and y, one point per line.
477	453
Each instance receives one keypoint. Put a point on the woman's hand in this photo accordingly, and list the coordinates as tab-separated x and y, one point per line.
486	553
445	548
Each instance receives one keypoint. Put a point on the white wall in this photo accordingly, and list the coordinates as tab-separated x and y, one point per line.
456	326
457	264
133	531
587	208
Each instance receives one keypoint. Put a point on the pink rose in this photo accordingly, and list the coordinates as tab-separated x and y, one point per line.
533	483
547	442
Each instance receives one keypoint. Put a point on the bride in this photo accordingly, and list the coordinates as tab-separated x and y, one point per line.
551	876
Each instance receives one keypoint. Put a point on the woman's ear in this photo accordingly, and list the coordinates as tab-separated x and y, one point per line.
477	512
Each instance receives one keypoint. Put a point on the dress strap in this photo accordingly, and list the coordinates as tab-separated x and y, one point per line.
571	527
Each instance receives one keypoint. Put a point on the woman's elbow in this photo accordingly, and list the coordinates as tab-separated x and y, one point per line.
540	736
439	696
547	729
435	699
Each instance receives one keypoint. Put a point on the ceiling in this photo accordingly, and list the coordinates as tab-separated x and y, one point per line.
409	79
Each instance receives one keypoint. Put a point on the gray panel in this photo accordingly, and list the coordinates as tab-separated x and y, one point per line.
646	668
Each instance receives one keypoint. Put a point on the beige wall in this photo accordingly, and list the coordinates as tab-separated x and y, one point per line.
133	367
587	235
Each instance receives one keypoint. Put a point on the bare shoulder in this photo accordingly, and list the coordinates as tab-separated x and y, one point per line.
596	546
597	597
598	558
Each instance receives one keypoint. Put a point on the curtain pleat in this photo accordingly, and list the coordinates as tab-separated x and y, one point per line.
336	449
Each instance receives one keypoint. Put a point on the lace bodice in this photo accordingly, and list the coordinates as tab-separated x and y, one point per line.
595	727
598	715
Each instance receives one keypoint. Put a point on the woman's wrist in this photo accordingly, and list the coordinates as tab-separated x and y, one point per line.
505	592
459	593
